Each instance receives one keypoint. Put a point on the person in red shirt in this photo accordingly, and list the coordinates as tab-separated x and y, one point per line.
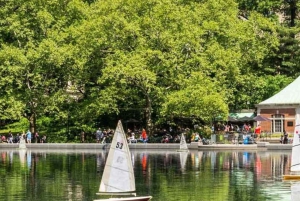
144	136
257	131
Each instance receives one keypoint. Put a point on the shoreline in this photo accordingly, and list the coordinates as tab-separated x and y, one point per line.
175	146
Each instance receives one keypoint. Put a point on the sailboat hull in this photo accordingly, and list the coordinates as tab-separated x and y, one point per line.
143	198
291	177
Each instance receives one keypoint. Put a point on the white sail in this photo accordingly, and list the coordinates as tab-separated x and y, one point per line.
295	191
118	175
295	166
183	145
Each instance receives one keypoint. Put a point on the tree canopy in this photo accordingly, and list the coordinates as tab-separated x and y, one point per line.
82	62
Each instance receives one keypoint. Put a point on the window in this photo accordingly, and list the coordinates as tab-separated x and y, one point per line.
277	123
290	123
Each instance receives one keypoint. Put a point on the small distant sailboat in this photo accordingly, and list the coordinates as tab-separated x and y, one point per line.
295	161
118	176
183	145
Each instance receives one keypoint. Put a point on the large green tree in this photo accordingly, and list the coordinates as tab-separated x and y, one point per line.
36	56
147	50
82	60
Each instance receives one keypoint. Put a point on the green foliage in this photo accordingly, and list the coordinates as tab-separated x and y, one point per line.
65	65
199	97
18	126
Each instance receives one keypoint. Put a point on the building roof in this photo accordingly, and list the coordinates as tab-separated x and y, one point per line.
238	115
290	95
242	116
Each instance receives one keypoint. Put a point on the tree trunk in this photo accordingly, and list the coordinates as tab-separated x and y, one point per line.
32	122
148	112
293	14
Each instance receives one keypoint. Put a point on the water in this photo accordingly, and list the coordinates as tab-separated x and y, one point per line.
166	175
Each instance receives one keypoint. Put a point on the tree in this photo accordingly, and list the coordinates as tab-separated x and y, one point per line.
198	98
36	56
146	50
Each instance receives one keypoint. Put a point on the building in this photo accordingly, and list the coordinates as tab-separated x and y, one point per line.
283	109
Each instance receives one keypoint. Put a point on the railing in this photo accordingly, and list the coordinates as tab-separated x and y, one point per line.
233	138
265	135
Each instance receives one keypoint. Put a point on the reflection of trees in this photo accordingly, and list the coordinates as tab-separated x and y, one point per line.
55	176
209	175
219	175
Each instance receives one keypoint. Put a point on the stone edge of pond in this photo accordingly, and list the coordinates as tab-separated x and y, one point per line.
155	146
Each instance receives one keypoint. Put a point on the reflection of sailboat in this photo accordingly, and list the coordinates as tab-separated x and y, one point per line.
22	155
183	158
28	159
295	191
183	145
118	176
22	144
295	162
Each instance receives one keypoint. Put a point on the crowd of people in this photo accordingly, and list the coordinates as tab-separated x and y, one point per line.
140	135
28	137
102	136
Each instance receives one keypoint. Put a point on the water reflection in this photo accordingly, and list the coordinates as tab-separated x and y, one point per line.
166	175
183	158
22	155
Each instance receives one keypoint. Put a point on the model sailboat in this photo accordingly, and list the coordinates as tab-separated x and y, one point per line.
183	145
295	161
118	176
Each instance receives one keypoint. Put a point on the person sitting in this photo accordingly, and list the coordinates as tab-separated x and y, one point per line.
177	139
165	139
3	138
197	137
140	139
132	138
281	139
43	139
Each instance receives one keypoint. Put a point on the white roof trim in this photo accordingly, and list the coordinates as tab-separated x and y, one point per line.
288	96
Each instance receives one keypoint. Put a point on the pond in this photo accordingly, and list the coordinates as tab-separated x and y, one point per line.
165	175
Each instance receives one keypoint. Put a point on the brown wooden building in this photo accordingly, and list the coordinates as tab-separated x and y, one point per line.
283	109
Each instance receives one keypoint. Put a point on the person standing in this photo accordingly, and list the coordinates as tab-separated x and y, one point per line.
10	137
37	137
17	138
257	131
82	136
28	136
104	135
43	139
98	135
144	135
285	137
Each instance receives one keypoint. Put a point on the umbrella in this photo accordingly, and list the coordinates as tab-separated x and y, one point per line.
261	118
